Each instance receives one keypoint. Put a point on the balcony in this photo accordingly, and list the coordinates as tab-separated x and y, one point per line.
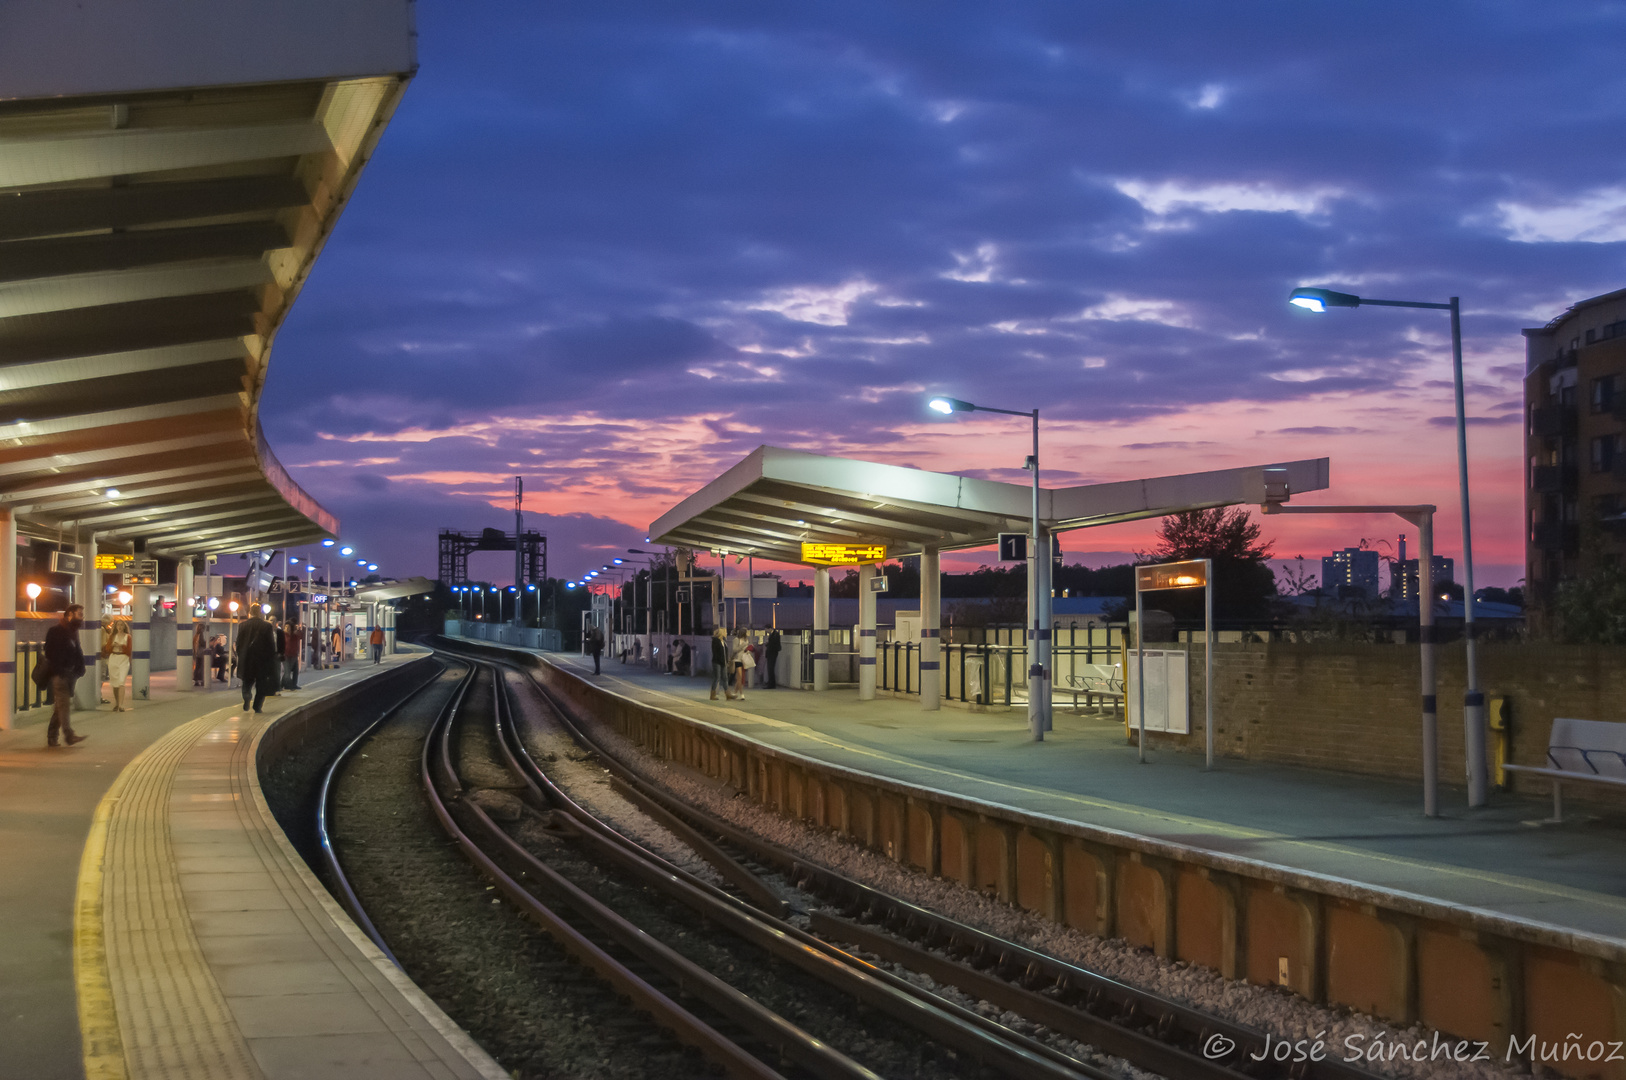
1556	536
1553	479
1554	421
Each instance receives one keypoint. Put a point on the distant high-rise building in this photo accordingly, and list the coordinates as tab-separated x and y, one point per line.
1445	571
1350	574
1575	461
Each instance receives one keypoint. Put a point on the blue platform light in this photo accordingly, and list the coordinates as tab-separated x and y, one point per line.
1319	300
327	543
947	405
618	562
347	550
530	588
570	585
372	566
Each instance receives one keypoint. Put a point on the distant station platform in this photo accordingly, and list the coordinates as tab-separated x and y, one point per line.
161	925
1355	828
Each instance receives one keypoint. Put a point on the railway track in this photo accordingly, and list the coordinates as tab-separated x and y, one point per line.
844	943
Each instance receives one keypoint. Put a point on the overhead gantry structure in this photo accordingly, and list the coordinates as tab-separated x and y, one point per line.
775	501
168	174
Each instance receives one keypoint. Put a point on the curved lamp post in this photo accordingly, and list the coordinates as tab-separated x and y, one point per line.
1040	628
1473	702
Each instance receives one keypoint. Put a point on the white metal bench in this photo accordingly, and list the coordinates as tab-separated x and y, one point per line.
1102	680
1590	750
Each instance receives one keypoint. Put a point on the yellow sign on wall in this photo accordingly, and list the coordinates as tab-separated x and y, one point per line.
111	562
843	554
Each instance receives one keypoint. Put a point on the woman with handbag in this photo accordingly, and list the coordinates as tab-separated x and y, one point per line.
741	662
117	648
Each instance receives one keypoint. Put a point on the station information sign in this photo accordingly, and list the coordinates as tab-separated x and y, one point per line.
111	562
843	554
1191	574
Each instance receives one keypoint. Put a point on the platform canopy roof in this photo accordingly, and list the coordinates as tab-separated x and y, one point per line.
775	500
395	590
169	172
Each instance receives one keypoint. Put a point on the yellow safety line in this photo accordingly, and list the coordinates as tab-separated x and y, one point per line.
98	1018
1217	827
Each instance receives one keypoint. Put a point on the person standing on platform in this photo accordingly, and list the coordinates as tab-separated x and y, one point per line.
282	650
257	662
66	662
217	657
118	645
376	640
772	652
595	645
293	644
740	663
200	652
719	663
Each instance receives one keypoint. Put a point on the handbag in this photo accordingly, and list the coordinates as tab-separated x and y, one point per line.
41	673
747	660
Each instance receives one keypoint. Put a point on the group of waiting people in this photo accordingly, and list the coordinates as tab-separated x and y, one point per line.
735	656
265	656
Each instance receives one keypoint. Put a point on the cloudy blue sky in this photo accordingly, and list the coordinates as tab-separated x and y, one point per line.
614	247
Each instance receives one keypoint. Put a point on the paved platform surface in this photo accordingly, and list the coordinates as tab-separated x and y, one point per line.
205	948
1359	828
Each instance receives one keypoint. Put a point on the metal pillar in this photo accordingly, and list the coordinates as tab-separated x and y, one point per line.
389	630
141	644
1425	637
183	624
821	628
1208	660
87	692
8	618
1046	621
866	633
931	622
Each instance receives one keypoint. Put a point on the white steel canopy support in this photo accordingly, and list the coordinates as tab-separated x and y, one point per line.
866	632
821	628
931	621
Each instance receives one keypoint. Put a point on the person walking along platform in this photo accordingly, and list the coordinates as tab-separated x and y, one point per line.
376	640
257	662
293	644
117	648
65	661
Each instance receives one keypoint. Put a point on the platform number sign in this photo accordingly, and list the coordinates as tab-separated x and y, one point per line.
683	595
1013	547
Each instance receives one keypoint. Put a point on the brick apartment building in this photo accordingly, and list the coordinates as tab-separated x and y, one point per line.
1575	466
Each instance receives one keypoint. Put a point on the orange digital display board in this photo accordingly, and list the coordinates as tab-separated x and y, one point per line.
843	554
1191	574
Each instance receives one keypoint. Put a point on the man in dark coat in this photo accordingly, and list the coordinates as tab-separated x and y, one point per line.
773	658
66	662
257	662
595	645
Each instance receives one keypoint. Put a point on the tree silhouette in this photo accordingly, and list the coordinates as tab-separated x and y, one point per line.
1243	582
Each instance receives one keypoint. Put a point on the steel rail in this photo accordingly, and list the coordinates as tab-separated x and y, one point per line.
963	1029
1143	1026
324	812
733	1059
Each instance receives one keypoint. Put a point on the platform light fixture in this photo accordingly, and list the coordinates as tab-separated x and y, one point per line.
372	566
214	603
1473	701
347	550
1038	648
33	591
327	543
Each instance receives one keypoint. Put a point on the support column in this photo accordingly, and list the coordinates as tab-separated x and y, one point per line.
821	628
931	621
1046	566
389	629
1425	638
87	692
866	633
183	626
141	644
8	618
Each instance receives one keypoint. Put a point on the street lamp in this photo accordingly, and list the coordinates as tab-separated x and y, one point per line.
1039	631
33	591
1473	701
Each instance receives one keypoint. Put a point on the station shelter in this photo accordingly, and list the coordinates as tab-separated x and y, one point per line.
168	175
824	512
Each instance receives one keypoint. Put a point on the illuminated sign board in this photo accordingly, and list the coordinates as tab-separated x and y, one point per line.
843	554
1191	574
112	562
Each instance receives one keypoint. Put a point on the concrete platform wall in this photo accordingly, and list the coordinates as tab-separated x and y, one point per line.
1472	974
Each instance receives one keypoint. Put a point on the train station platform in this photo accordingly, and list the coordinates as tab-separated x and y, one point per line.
1360	829
159	923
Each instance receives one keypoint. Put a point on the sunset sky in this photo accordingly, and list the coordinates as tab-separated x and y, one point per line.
614	248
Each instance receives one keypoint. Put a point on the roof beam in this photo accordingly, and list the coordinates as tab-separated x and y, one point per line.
63	504
69	210
59	159
138	324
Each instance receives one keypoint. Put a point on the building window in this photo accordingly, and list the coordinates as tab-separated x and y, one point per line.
1591	336
1603	393
1604	449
